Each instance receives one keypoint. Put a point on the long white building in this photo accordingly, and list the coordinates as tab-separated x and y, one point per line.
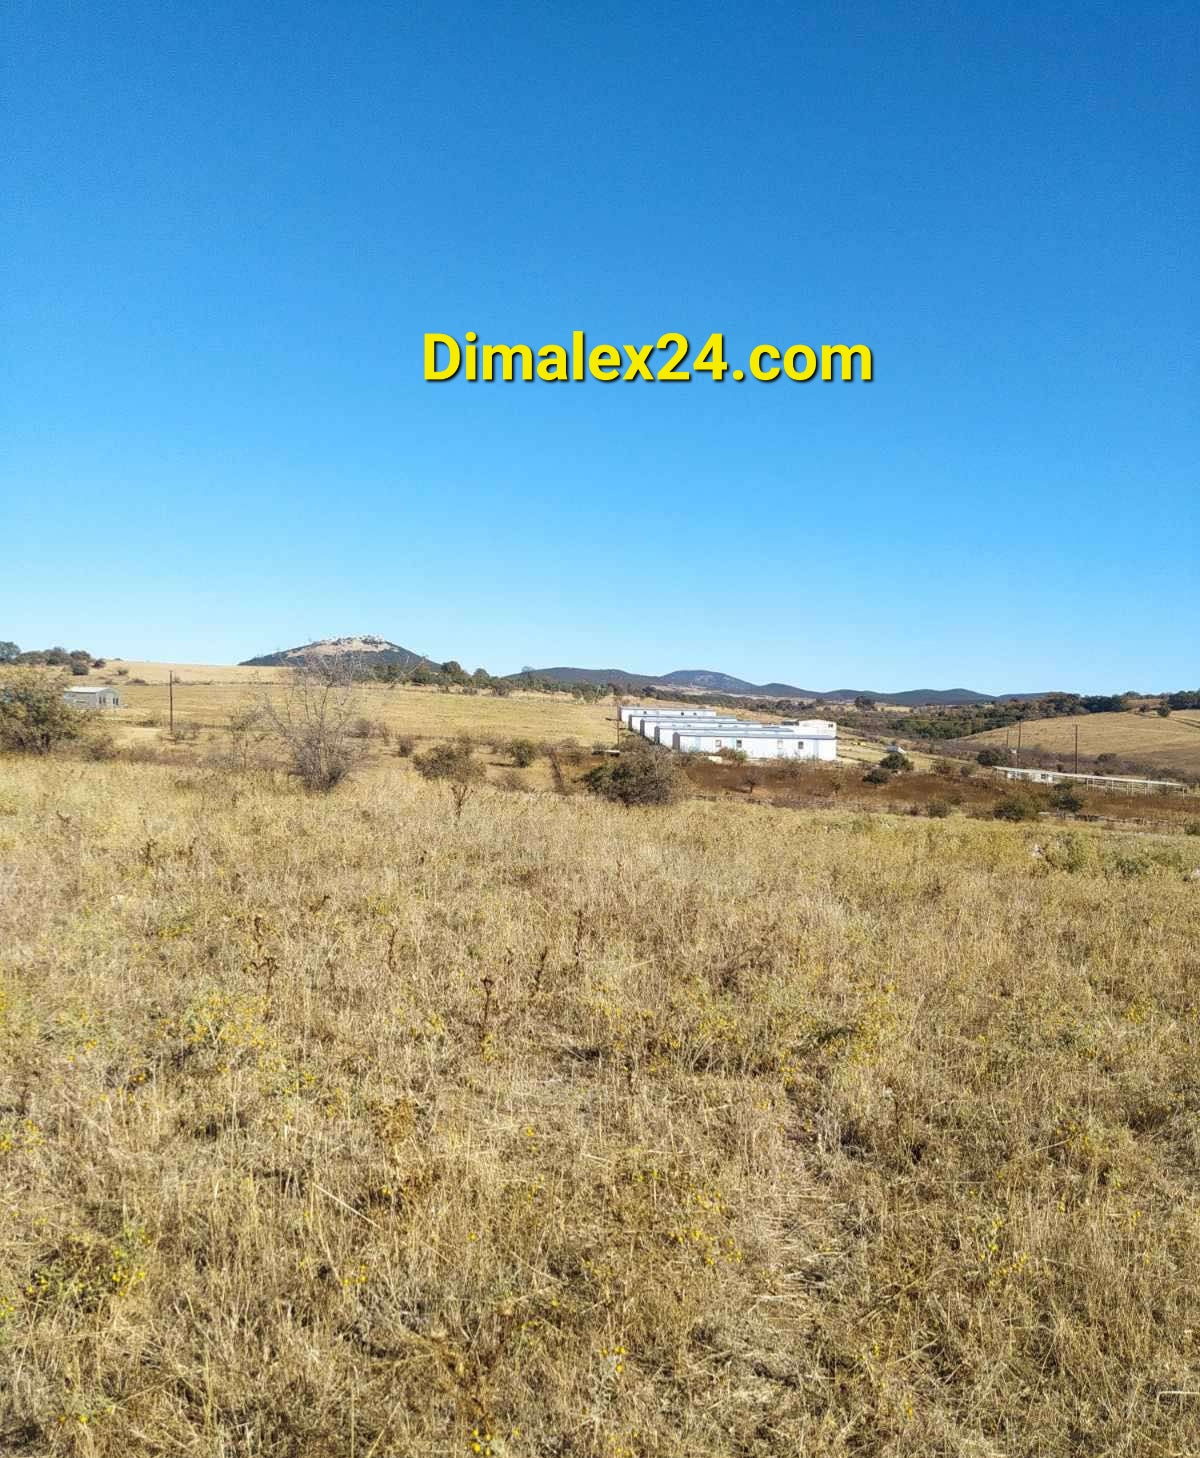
709	731
629	711
661	731
807	739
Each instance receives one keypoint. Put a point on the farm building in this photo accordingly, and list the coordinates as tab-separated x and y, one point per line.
104	697
660	731
629	711
645	723
1118	784
809	739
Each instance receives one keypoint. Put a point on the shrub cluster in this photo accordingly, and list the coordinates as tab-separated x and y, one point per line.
641	776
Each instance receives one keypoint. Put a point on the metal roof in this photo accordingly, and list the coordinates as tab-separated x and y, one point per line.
761	731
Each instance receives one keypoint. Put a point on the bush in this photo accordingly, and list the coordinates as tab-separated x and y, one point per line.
447	762
523	752
937	809
641	776
364	728
1192	828
877	775
896	762
313	720
33	717
455	765
1015	807
405	744
1066	797
943	767
989	757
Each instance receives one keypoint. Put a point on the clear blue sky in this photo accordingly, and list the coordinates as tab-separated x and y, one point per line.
227	228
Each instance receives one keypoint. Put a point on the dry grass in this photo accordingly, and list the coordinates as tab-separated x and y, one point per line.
424	712
329	1127
1171	743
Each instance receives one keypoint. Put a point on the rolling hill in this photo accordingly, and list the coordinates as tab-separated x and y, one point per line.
1168	744
376	650
707	680
367	646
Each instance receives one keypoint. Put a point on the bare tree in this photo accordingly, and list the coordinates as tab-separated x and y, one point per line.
313	718
246	729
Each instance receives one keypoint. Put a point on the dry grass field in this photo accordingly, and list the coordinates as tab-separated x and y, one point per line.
206	694
206	702
331	1126
1170	743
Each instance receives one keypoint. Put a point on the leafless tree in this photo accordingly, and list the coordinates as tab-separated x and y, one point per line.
246	729
313	717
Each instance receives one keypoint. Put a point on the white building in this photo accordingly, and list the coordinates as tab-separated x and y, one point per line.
808	739
662	731
104	697
629	711
643	723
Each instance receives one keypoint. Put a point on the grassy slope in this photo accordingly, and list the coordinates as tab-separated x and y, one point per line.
1146	737
205	696
330	1127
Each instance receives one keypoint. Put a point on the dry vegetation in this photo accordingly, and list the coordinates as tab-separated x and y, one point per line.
205	698
331	1126
1172	742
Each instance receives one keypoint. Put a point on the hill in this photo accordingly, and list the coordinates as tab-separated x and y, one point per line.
367	646
708	680
1169	744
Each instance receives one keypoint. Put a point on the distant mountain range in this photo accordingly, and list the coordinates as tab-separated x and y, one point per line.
707	680
375	650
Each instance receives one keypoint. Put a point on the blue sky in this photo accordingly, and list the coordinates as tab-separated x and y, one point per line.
228	228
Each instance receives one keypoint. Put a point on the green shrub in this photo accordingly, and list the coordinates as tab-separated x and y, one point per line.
1015	807
1066	797
456	766
523	752
1192	828
640	776
896	762
938	809
877	775
33	717
990	756
447	762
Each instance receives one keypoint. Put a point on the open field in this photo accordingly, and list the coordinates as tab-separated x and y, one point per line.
422	712
206	695
1171	742
330	1126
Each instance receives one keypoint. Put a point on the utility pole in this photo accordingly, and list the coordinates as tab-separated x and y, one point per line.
1077	748
1019	723
171	699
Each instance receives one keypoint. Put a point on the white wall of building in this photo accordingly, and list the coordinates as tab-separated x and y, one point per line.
784	745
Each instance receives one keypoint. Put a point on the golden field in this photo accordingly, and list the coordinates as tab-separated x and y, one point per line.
331	1126
1171	743
426	713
